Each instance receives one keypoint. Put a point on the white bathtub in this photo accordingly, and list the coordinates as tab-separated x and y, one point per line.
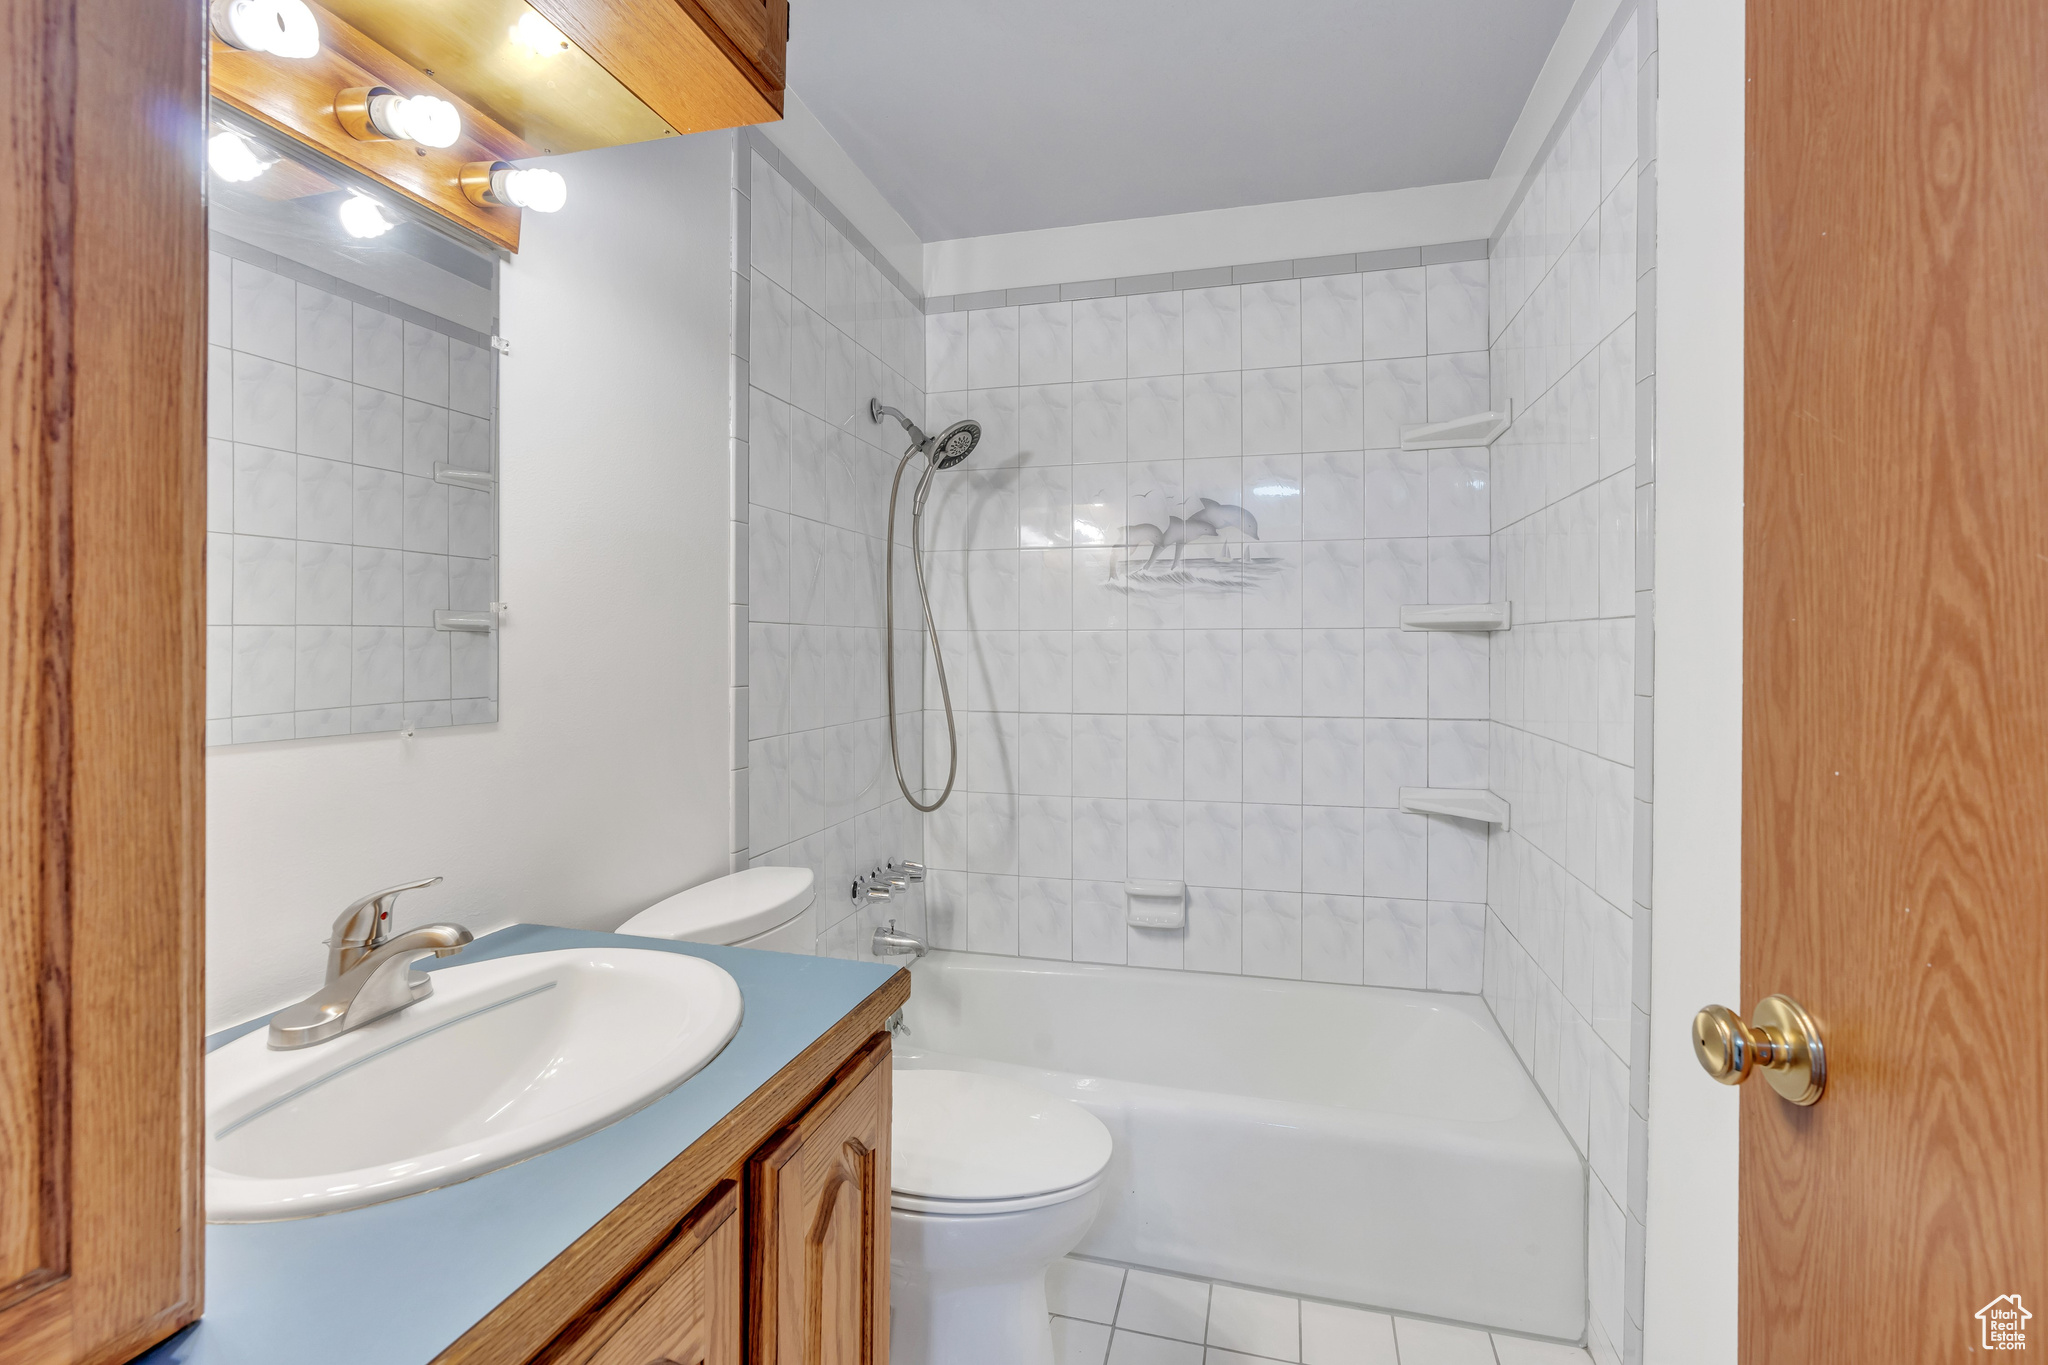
1372	1146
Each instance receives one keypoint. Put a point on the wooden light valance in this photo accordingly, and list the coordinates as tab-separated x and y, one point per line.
297	97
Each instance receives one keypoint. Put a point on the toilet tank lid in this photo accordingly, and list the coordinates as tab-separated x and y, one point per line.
965	1135
728	909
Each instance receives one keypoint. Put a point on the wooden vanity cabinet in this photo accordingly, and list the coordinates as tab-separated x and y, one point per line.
818	1198
766	1242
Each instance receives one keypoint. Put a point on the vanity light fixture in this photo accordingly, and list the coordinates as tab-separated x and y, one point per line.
283	28
364	217
500	184
538	36
233	158
377	113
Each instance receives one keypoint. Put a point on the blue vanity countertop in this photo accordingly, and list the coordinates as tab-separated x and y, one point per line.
396	1283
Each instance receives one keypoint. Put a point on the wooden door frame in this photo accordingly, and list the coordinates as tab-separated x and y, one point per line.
102	534
1697	151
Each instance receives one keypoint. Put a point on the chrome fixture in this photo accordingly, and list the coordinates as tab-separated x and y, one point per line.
369	971
892	942
942	451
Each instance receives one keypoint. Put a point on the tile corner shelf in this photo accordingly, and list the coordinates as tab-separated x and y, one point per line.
1466	803
1476	616
1479	429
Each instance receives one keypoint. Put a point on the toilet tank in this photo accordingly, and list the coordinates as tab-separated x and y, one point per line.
762	907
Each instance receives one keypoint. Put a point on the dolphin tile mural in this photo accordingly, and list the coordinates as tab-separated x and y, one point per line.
1213	547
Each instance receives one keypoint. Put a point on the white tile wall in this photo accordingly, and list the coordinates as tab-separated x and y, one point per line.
1247	741
1565	920
820	331
329	545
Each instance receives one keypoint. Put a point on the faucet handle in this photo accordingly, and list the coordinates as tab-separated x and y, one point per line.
364	925
914	871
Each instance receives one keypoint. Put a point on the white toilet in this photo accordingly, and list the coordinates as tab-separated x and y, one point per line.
762	907
993	1181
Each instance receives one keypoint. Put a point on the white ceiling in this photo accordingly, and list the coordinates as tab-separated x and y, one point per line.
986	116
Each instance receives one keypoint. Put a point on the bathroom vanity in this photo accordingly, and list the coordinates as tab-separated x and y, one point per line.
743	1216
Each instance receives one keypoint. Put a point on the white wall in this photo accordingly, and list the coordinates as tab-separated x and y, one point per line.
603	786
1690	1291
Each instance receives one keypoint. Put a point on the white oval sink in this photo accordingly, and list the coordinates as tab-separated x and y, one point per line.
505	1059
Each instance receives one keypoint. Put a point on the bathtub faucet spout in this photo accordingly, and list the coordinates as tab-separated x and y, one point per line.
892	942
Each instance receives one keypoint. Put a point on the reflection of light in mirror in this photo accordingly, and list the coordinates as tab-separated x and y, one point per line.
233	159
363	216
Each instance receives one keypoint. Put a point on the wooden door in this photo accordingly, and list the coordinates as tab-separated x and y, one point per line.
819	1201
102	655
1895	749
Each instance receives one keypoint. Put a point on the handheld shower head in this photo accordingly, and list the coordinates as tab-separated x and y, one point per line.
943	451
954	444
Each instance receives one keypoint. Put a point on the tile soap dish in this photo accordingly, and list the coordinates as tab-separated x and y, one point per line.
1157	905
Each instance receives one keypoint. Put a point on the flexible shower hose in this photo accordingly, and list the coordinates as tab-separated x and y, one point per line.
924	598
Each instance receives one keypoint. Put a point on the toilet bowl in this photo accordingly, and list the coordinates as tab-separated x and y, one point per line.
762	907
991	1182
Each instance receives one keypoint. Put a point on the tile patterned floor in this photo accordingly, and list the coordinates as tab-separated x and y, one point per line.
1106	1315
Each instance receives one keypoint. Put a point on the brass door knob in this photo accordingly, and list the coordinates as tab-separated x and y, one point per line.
1781	1040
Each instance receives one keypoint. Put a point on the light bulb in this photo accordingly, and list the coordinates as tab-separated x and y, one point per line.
530	188
283	28
233	159
538	36
363	216
423	119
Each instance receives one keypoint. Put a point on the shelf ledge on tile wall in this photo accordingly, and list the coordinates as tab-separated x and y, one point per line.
1479	429
1473	616
1462	802
475	622
455	476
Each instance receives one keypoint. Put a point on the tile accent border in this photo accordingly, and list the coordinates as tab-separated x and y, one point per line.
1310	267
237	249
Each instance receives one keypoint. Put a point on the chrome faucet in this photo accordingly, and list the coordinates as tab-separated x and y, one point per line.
369	971
892	942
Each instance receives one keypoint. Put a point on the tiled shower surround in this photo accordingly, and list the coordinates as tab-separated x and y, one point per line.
1169	586
1567	947
820	327
329	543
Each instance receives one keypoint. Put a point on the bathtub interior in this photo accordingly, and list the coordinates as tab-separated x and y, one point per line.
1422	1053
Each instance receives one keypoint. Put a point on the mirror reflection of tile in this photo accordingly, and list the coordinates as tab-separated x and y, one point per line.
330	544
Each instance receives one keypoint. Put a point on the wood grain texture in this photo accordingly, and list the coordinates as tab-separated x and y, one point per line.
599	1263
297	99
1895	797
686	1305
818	1211
674	57
102	359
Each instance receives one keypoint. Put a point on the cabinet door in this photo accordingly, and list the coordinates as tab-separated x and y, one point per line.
685	1308
819	1197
